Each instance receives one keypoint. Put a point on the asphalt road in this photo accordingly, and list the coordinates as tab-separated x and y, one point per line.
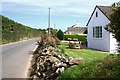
16	59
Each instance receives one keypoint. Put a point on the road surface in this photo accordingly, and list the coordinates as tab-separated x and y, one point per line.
16	59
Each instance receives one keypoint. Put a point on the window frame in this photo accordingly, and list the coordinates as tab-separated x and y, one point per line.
97	32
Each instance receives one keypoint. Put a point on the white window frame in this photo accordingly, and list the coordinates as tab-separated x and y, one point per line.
97	32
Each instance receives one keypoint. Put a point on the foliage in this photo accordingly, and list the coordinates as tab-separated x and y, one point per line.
60	34
53	32
114	25
81	37
104	68
71	45
116	4
13	31
49	40
43	31
74	45
0	30
57	40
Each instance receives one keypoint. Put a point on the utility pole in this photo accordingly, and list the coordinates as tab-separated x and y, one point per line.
54	26
49	22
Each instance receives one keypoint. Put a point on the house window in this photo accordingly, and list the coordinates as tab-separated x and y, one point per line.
96	14
97	32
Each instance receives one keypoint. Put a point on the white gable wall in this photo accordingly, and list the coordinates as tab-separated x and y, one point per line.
98	43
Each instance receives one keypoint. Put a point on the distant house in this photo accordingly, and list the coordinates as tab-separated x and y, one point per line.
98	37
76	29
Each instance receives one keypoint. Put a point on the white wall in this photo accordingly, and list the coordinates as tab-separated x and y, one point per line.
96	43
113	44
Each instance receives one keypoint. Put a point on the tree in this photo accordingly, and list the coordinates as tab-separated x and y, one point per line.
114	25
53	32
43	31
60	34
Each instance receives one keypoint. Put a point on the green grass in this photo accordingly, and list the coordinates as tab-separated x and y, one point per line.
86	54
105	68
98	64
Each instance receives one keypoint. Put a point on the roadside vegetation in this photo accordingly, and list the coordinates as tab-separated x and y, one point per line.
102	68
13	31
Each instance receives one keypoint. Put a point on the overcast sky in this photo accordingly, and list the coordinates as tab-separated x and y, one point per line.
64	13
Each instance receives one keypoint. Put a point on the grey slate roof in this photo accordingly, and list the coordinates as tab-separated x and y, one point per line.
106	10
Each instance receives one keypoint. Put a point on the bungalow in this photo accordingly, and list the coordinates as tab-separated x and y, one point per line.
98	37
76	29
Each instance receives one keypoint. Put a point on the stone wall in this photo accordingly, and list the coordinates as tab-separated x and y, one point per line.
48	62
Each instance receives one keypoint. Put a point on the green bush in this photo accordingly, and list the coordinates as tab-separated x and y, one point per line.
81	37
73	45
60	34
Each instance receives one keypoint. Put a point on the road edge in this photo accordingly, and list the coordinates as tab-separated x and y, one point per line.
30	59
16	42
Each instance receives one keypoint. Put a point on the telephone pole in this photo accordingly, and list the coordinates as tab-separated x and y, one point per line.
54	26
49	22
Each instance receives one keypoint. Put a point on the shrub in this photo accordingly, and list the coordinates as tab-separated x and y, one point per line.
81	37
47	40
60	34
57	40
73	45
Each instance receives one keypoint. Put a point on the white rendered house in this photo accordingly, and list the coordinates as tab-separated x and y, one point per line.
99	38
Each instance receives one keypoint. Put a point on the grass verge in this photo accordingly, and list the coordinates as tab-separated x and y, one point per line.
86	54
105	68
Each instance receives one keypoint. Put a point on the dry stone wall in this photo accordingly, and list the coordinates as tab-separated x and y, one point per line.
48	62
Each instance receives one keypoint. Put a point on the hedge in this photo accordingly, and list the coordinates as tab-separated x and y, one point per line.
81	37
13	31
